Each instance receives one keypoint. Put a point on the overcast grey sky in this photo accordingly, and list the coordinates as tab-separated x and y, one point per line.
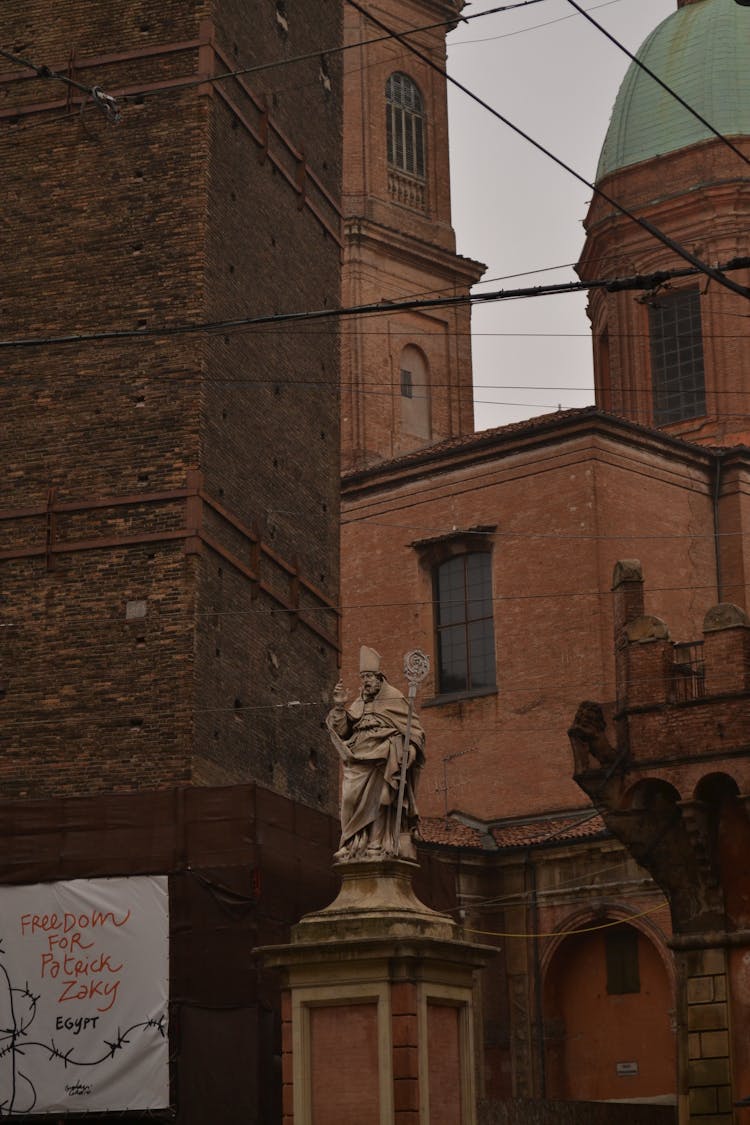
556	77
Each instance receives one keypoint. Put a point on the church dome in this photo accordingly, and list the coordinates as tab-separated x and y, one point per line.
702	52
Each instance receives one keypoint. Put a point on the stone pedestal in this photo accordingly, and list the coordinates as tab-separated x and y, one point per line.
377	1007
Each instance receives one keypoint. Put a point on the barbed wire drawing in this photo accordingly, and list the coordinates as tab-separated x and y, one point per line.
19	1008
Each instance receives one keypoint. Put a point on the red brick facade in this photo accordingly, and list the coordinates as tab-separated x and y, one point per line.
554	503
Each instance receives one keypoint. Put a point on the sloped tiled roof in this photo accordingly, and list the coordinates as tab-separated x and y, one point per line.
443	830
451	832
486	441
553	830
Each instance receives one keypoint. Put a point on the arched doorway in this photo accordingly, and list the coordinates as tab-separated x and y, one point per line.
608	1002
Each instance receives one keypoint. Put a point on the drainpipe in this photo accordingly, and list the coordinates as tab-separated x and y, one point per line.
717	541
537	968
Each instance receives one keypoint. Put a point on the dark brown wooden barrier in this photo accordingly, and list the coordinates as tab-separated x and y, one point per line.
519	1112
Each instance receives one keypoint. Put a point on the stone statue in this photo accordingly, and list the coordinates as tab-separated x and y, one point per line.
369	737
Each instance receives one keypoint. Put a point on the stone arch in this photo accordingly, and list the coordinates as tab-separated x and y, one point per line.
715	788
651	794
727	827
592	1027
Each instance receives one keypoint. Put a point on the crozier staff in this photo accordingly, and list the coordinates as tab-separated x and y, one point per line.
369	737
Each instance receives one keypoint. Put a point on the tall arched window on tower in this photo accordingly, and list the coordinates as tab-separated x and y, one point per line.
415	393
676	340
405	139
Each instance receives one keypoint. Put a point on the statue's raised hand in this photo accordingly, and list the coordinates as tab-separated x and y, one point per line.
340	694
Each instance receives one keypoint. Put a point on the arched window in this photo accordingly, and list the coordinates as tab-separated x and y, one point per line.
415	393
464	625
405	125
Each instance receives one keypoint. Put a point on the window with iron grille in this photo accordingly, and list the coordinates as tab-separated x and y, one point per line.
464	624
677	378
405	125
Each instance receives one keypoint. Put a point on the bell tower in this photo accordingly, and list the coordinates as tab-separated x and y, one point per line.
406	377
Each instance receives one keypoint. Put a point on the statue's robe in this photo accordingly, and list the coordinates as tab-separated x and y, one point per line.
373	735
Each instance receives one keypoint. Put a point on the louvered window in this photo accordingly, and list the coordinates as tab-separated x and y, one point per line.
405	125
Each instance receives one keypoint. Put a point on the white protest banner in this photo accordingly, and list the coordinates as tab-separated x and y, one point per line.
84	983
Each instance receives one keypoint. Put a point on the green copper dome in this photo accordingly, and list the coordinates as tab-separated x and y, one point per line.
702	52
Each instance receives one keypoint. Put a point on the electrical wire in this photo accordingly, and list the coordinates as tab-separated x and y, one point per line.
104	102
321	52
570	933
645	224
639	282
524	30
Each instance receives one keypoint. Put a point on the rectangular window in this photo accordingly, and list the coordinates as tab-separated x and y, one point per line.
621	951
677	377
407	384
464	624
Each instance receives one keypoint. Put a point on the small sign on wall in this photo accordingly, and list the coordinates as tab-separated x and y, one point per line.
627	1070
84	972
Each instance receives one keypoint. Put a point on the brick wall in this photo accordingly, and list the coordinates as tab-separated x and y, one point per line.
562	503
197	206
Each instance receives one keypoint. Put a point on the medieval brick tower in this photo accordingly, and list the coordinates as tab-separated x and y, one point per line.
169	512
406	377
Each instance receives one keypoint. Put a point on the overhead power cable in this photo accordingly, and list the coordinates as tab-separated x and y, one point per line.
645	224
257	68
102	101
613	285
657	79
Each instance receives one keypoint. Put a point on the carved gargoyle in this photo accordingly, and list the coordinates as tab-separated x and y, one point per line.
588	738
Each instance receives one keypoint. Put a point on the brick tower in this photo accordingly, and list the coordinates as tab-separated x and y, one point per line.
169	512
406	378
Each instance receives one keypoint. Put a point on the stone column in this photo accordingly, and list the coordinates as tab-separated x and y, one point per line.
377	1007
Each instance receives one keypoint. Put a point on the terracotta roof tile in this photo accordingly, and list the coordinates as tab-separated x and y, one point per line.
442	830
552	830
451	833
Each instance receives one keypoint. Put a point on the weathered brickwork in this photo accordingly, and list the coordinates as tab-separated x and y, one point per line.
190	636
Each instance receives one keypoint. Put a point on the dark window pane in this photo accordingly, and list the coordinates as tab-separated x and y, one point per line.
452	654
621	951
407	384
464	620
451	599
677	374
482	654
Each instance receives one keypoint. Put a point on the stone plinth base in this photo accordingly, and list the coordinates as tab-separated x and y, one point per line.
377	1007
